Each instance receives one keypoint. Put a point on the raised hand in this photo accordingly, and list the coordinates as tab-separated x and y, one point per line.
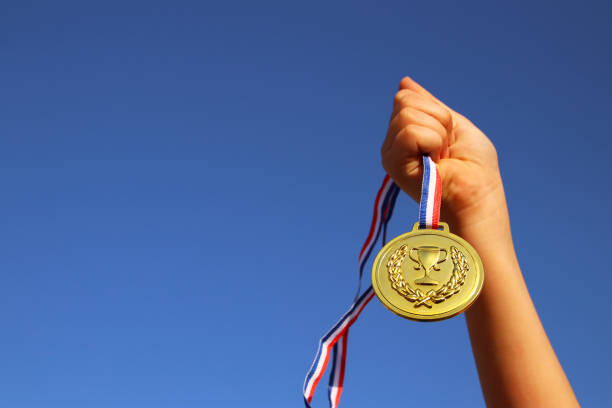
467	161
516	363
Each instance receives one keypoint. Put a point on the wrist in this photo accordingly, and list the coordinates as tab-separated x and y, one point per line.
485	224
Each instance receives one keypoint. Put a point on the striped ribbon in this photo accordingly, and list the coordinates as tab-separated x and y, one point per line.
431	195
334	342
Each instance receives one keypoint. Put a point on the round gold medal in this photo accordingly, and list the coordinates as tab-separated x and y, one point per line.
427	274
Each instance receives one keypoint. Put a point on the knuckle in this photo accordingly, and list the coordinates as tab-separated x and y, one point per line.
447	118
405	82
384	160
404	98
408	114
413	129
491	150
411	132
399	96
384	148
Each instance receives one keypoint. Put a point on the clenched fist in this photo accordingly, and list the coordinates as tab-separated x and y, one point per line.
467	161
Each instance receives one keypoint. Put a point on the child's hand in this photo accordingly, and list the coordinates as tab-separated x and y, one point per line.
516	363
467	161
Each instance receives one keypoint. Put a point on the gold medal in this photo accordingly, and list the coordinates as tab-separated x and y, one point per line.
427	274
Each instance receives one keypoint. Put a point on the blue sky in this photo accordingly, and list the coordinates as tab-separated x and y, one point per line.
186	187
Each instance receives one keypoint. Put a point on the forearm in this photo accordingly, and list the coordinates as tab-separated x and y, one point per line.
516	363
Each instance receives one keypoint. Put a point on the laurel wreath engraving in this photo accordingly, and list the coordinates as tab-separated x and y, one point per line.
452	286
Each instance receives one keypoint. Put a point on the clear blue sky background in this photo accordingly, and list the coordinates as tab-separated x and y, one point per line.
186	186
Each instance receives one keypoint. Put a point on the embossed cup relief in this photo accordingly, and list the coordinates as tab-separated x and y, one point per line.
427	259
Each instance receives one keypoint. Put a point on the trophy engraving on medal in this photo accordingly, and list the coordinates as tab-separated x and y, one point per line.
427	258
430	297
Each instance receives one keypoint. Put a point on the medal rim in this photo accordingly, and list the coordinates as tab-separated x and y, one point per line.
441	316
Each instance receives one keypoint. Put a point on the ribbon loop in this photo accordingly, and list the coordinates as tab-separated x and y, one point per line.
431	195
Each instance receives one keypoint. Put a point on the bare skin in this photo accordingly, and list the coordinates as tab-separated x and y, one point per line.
516	363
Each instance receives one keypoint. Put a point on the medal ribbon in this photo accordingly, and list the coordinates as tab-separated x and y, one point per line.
335	341
431	195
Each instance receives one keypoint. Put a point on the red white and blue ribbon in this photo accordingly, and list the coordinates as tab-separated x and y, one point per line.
431	195
383	208
334	342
